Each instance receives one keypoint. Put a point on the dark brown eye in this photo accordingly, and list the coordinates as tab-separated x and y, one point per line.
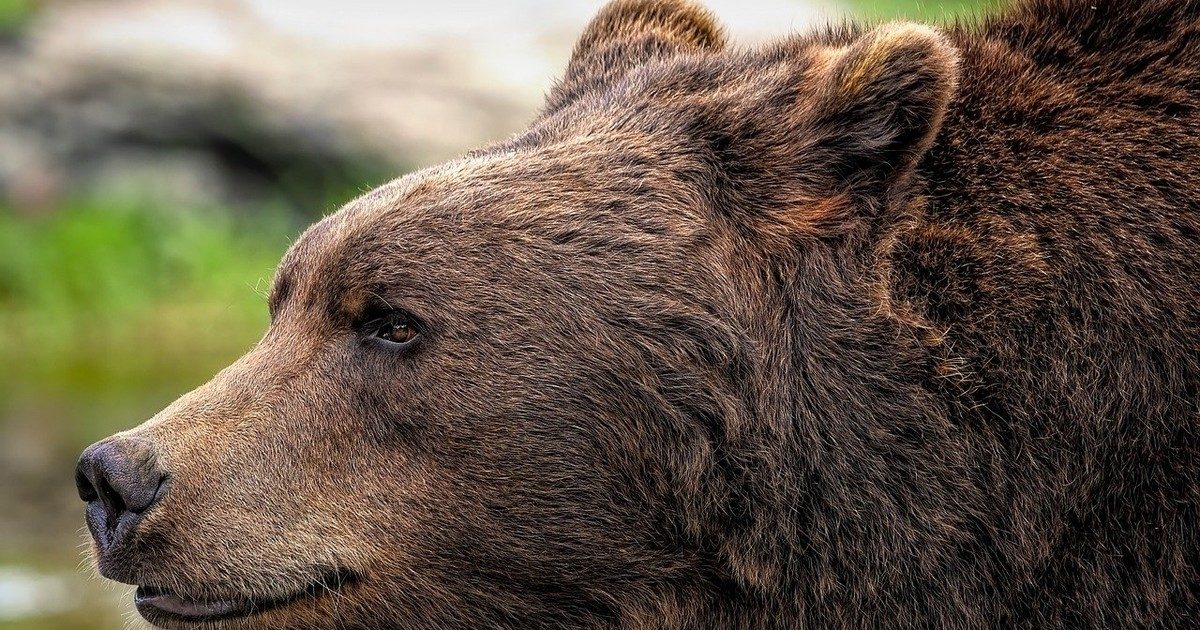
396	329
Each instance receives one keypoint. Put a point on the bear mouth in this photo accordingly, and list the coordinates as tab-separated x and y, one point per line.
159	604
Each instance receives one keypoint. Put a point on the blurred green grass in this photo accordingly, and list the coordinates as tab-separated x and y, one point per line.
934	11
103	299
14	14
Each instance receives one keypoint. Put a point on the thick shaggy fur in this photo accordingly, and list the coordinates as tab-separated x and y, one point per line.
875	327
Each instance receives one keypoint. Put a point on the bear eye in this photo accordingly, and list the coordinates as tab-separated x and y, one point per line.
395	329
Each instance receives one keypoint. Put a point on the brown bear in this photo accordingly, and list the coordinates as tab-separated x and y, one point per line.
886	326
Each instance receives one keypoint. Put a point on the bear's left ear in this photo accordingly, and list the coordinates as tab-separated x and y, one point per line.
879	102
629	33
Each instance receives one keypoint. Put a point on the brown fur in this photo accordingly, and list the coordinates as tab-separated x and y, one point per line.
873	327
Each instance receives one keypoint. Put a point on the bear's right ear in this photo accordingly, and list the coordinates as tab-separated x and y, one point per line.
881	100
629	33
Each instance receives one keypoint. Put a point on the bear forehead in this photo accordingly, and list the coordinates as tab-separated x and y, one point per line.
592	191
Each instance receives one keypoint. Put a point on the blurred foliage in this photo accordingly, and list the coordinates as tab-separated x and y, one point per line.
14	14
923	10
101	298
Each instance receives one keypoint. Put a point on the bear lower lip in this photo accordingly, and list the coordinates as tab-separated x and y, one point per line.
181	606
153	603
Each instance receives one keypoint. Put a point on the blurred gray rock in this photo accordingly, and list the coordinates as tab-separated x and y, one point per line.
236	102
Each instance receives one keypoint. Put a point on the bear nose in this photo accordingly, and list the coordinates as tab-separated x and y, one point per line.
119	479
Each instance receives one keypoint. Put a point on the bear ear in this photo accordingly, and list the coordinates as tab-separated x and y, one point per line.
629	33
879	102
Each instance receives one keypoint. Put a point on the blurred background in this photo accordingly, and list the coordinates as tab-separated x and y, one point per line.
157	157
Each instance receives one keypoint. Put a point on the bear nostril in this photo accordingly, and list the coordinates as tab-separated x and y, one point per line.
112	498
87	492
